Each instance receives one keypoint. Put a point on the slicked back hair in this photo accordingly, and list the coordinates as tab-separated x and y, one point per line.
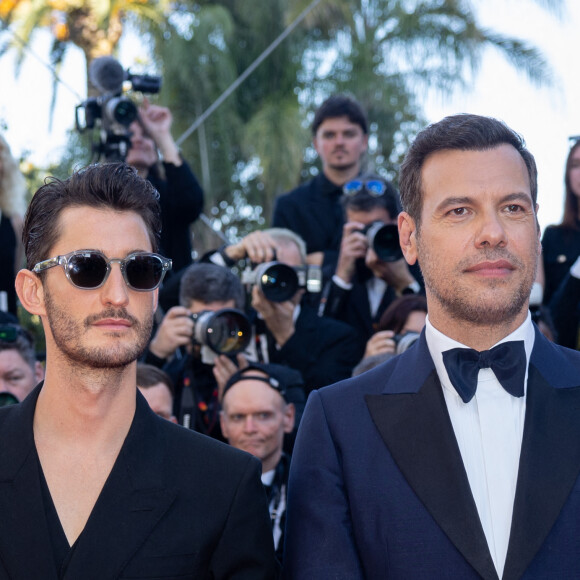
209	283
114	186
464	132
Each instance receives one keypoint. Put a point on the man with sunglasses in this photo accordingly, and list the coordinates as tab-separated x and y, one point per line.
93	484
371	271
312	210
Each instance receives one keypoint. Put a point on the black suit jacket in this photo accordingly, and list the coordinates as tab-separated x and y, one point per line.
176	504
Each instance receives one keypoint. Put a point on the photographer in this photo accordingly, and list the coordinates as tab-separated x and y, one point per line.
181	195
204	287
290	332
364	284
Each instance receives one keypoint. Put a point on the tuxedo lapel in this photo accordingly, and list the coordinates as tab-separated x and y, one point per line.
417	430
549	466
25	547
133	500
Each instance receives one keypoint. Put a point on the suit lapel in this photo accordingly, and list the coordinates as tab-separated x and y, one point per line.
545	477
133	500
25	547
417	431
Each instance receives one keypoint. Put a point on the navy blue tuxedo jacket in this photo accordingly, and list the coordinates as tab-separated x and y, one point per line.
378	488
176	504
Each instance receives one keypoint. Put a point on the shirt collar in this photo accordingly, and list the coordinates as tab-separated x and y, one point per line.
437	342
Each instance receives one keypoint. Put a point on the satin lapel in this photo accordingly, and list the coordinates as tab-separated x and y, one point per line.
549	467
418	433
133	500
25	548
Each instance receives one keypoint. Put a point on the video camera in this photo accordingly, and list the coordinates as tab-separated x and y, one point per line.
384	240
225	331
112	111
279	282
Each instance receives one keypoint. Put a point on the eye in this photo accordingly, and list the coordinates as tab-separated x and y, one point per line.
514	208
457	211
236	417
264	416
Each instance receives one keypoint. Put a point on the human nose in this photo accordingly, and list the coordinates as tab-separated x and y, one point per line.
115	290
249	424
492	232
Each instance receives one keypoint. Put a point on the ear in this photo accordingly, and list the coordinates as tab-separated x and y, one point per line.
289	417
408	237
224	425
30	292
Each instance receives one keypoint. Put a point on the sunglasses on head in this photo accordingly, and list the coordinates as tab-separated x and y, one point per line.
89	269
374	187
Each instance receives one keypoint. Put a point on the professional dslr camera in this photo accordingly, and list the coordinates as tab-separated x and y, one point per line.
384	240
112	111
226	331
279	282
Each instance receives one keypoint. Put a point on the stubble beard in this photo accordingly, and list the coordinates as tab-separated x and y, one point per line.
489	307
68	335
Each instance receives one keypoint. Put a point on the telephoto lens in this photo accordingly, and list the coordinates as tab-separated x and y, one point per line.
384	240
225	331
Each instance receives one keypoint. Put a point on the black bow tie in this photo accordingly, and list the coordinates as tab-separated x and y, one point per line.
506	360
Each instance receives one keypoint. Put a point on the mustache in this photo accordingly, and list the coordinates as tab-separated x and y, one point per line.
490	255
111	313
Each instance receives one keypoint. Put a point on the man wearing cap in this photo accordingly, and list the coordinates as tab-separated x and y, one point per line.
256	415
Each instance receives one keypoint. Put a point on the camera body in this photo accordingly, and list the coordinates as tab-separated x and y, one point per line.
112	112
384	240
405	341
279	282
226	331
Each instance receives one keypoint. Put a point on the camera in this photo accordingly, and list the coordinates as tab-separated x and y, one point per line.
405	341
384	240
279	282
225	331
112	112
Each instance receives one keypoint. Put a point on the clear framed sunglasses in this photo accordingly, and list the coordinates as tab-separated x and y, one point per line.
89	269
374	187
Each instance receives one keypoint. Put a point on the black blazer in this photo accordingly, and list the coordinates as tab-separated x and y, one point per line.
176	504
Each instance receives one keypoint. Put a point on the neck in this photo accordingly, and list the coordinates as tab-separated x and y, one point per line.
339	176
270	463
94	409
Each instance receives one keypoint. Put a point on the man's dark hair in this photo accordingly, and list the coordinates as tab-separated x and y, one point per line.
149	376
365	202
461	132
340	106
113	186
23	344
210	283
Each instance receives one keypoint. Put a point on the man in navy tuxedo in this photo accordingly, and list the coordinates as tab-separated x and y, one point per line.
459	458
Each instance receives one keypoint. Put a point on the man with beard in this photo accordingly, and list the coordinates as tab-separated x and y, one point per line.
459	458
312	210
93	484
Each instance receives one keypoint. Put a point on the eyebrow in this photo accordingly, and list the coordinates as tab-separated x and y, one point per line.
459	201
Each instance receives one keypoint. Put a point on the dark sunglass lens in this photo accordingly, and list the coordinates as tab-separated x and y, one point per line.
87	270
144	272
375	187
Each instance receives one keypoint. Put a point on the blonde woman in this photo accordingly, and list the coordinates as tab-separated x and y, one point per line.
12	207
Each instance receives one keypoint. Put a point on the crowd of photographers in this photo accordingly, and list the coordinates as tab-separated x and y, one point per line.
258	324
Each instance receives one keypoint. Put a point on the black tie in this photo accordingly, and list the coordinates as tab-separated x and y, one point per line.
506	360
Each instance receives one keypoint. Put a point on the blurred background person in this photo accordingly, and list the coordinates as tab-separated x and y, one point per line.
561	242
312	210
20	371
364	283
156	156
157	388
12	208
406	314
257	413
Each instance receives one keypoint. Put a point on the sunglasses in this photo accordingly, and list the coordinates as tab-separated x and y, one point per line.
374	187
89	269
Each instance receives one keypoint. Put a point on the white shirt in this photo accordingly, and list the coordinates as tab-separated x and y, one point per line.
489	431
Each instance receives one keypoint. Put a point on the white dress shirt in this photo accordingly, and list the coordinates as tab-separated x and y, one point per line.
489	431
